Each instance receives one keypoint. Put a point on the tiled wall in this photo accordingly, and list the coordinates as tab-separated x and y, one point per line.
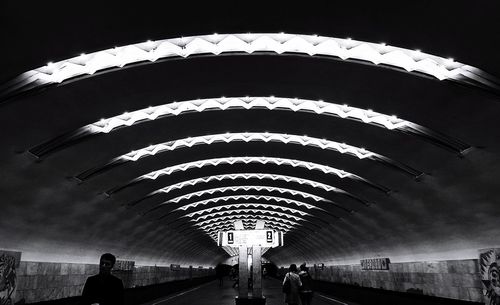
455	279
39	281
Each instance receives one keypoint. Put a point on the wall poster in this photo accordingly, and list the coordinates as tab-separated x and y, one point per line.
489	260
9	262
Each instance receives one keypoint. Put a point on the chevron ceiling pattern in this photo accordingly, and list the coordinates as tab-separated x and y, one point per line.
352	147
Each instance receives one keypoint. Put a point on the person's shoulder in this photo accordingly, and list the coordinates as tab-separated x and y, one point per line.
92	280
115	278
93	277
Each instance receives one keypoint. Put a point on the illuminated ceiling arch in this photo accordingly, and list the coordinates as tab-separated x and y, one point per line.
269	189
289	44
248	103
212	226
408	221
256	197
246	160
261	214
246	225
258	210
247	176
246	222
266	137
232	198
246	217
247	198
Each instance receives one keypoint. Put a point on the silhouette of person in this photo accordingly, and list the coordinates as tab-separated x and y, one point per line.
234	277
306	292
103	288
292	297
219	271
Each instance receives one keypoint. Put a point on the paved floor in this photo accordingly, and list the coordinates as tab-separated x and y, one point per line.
211	294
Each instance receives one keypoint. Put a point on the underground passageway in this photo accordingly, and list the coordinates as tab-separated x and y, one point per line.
359	138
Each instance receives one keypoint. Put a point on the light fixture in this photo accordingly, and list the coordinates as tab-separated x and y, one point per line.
248	103
246	188
247	160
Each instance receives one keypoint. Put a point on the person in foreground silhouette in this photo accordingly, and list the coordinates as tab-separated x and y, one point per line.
292	296
103	288
306	291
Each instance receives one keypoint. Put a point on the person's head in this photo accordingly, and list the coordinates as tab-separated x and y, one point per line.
303	267
106	263
293	268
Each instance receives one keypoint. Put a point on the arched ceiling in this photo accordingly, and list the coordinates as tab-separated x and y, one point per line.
337	131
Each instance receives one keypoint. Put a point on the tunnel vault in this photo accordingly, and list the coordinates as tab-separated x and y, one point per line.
352	148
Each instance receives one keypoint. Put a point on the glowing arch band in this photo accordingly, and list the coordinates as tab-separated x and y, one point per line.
234	198
247	226
259	197
248	103
247	222
343	148
248	188
247	211
344	49
248	216
266	137
247	160
246	176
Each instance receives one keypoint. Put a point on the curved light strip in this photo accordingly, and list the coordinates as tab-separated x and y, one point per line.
343	148
256	197
248	222
235	198
266	137
246	160
246	211
230	226
270	103
246	176
248	226
248	188
247	205
247	197
344	49
246	216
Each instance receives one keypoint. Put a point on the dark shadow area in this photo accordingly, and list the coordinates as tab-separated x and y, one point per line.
368	296
140	295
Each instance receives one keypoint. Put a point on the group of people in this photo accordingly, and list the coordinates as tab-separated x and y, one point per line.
104	288
300	286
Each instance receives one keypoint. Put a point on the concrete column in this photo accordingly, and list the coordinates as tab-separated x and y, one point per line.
257	273
243	272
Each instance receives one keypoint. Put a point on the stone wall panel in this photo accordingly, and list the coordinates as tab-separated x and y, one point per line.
41	281
457	279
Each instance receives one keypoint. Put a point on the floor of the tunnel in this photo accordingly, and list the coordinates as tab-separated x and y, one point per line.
211	294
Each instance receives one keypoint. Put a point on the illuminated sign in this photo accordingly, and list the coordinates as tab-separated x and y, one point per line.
262	238
375	264
122	265
175	267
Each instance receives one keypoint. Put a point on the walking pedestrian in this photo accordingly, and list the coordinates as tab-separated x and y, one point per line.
306	291
292	296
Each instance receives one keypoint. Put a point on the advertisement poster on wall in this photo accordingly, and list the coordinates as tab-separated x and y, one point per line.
9	262
489	260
